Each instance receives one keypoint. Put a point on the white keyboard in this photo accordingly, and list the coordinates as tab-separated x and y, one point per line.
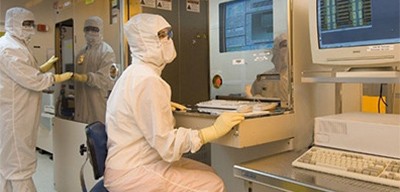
248	108
245	106
354	165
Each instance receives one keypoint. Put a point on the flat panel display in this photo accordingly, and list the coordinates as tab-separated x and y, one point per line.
246	25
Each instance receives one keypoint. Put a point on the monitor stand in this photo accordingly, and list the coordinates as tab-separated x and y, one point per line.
370	72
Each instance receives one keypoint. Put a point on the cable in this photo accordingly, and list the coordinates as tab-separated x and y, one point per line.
381	99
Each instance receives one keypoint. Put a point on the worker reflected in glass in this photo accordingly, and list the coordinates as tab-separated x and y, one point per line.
144	149
92	74
114	72
274	83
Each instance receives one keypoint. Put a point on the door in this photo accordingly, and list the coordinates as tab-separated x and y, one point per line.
188	74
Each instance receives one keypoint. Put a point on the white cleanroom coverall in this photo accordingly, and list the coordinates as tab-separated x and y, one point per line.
21	84
94	62
278	88
144	149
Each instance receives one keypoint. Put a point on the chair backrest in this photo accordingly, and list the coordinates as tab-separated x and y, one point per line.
97	145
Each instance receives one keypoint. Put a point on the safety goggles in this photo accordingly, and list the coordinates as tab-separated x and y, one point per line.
166	32
91	28
283	44
29	23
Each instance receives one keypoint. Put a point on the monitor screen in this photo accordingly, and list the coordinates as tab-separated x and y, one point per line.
355	33
246	25
345	23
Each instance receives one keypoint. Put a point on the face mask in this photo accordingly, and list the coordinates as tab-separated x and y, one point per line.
92	37
168	50
28	33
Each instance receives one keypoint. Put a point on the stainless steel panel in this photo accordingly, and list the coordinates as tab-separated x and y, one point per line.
277	171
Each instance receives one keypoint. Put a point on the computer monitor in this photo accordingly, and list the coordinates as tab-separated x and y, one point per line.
246	25
355	33
242	34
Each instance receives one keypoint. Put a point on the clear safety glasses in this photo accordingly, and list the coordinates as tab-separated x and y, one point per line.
91	28
29	23
166	32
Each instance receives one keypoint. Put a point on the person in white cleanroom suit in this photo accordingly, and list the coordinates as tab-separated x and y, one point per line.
278	86
92	74
21	83
144	149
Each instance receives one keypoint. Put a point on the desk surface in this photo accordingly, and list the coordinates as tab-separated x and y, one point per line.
276	171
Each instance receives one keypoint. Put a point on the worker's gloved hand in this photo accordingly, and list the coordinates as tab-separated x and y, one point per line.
177	106
58	78
222	125
48	65
80	77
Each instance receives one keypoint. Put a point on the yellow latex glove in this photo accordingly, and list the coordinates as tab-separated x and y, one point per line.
80	77
177	106
48	65
58	78
221	126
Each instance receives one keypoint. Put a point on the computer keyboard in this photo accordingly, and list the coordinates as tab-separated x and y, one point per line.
354	165
248	108
238	105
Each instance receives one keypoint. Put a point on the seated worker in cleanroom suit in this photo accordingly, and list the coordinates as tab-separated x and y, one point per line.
92	74
144	149
21	83
274	83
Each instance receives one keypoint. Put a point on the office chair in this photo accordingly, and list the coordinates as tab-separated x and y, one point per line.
96	140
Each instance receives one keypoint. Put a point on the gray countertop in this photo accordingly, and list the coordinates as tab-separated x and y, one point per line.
276	171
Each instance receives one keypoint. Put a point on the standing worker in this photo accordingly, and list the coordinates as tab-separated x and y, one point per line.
21	83
92	74
144	149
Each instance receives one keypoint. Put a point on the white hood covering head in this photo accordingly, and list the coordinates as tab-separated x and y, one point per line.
280	52
13	25
92	37
141	33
